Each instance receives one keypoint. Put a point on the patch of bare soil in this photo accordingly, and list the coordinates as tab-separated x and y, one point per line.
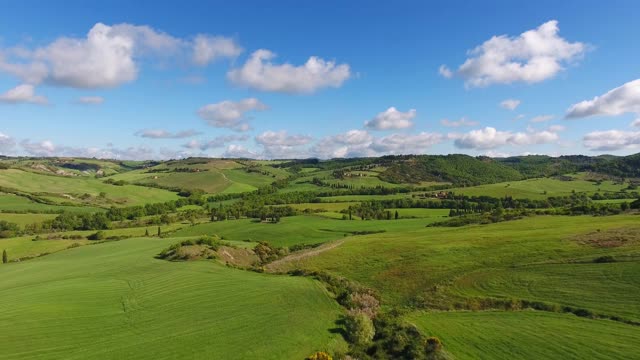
280	264
237	256
610	238
189	253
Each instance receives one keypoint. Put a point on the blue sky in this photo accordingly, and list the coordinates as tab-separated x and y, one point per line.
330	79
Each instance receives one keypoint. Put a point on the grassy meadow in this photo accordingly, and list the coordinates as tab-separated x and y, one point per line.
136	307
288	276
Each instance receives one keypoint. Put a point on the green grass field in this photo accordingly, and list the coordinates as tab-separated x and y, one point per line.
295	230
529	335
404	264
10	202
136	307
69	189
25	219
112	299
25	246
536	188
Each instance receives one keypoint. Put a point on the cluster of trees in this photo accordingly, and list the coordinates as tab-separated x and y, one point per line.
250	209
134	212
369	210
615	195
8	229
116	182
460	170
373	334
69	222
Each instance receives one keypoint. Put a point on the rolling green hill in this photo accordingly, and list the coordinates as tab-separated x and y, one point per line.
136	307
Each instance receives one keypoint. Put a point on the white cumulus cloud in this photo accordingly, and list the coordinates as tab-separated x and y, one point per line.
611	140
490	138
210	48
239	151
392	118
510	104
445	72
542	118
24	93
164	134
533	56
231	114
458	123
623	99
108	56
7	143
217	142
261	74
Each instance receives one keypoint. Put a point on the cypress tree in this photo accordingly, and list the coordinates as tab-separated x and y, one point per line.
5	258
159	232
397	215
146	233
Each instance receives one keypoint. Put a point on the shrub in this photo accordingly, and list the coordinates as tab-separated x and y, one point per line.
363	302
433	344
604	259
359	328
99	235
320	355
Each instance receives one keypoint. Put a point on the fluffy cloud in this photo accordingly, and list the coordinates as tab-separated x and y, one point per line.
281	145
210	48
217	142
282	138
623	99
48	148
230	114
490	138
635	123
406	144
533	56
108	56
353	143
261	74
164	134
7	143
510	104
611	140
542	118
90	100
445	72
359	143
458	123
24	93
392	119
239	151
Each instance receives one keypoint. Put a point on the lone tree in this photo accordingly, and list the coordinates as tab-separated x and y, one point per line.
5	259
360	329
146	232
397	215
159	232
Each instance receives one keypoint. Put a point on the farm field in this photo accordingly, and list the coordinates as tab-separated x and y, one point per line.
539	188
402	264
71	189
26	219
529	335
297	230
135	306
10	202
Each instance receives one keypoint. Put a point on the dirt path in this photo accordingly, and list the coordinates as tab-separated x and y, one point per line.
301	255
